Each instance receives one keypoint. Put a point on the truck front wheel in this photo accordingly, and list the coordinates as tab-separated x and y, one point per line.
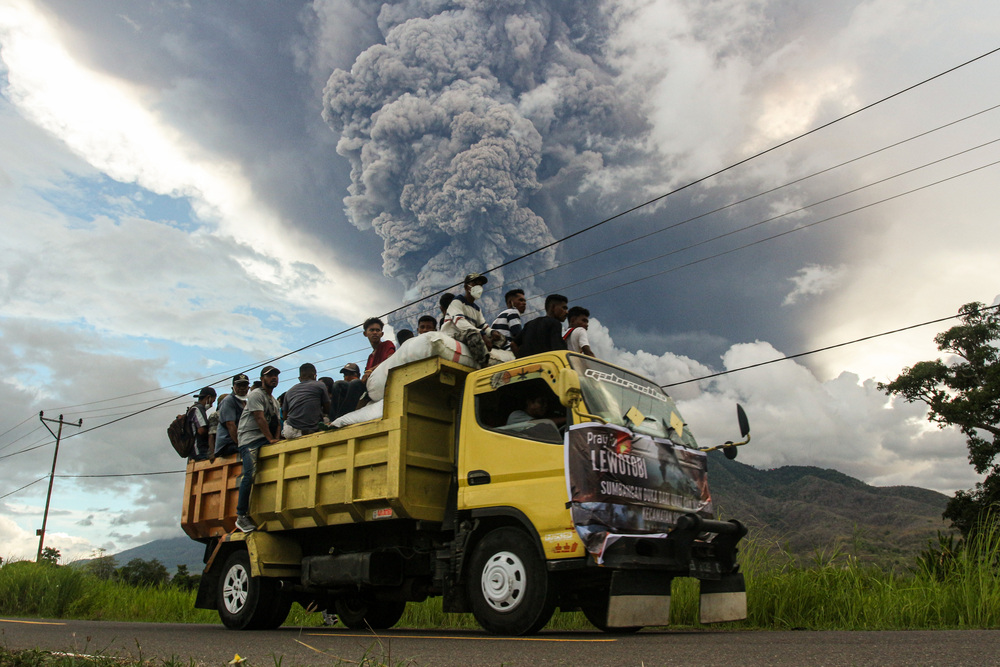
508	585
246	602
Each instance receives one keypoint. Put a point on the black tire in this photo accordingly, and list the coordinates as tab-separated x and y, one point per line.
279	612
246	602
359	613
597	614
508	585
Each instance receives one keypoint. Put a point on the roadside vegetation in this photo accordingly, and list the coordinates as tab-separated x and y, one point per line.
951	585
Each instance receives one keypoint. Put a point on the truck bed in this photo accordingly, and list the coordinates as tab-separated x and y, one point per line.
399	466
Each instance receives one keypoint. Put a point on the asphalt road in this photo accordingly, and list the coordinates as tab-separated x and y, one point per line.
213	645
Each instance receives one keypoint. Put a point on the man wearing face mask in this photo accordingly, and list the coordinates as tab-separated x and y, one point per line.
465	323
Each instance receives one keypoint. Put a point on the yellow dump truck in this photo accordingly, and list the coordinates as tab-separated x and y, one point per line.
557	480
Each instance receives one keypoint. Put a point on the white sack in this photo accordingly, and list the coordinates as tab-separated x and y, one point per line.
370	412
424	346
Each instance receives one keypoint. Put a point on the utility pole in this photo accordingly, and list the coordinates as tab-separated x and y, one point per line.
52	475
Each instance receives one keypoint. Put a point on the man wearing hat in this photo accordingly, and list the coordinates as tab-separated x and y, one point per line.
465	323
199	422
259	425
230	409
346	392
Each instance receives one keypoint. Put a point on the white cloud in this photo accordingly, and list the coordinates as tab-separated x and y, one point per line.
21	544
813	280
114	126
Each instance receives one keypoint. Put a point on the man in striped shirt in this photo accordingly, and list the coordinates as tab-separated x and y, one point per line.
508	323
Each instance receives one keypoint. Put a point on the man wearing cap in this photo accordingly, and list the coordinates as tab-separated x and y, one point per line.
258	426
230	410
346	392
465	323
305	404
198	417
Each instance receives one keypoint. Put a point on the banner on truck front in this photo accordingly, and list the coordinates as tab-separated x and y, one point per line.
621	483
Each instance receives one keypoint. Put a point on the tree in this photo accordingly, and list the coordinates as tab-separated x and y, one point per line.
101	565
184	579
964	391
139	572
50	556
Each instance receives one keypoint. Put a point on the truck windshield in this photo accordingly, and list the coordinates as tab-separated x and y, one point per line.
610	393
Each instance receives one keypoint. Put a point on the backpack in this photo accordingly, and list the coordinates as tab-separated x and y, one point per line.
181	434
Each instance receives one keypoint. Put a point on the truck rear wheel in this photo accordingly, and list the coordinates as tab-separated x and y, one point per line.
358	613
246	602
508	585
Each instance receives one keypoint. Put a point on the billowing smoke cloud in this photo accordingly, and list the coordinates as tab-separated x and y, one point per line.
468	110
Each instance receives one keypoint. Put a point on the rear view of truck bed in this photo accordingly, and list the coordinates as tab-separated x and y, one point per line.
399	466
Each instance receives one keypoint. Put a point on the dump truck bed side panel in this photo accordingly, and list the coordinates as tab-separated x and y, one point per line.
399	466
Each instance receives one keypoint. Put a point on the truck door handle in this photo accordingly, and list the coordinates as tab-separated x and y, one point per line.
477	477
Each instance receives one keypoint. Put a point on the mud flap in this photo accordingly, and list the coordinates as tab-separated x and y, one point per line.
724	599
637	601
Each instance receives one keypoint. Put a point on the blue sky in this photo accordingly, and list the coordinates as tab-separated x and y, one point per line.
174	176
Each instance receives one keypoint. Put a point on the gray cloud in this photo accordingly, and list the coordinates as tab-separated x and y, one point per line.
463	114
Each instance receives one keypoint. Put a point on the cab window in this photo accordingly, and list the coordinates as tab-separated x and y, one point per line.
527	409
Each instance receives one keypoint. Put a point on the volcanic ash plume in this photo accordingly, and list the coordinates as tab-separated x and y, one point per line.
460	118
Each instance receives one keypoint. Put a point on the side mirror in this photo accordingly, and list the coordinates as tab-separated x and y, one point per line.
729	448
741	417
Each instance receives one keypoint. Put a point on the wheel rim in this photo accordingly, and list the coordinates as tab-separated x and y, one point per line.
234	589
503	581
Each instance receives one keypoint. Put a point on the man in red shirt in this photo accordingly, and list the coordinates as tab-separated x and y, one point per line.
381	349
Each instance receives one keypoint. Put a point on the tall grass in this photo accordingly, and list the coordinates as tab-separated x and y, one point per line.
831	590
836	591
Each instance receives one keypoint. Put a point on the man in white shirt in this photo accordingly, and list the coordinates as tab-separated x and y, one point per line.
576	336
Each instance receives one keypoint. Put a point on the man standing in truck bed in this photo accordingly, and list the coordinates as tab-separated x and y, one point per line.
259	425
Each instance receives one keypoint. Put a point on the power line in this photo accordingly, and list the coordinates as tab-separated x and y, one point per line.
787	213
127	474
751	197
16	425
822	349
781	234
744	160
22	437
24	487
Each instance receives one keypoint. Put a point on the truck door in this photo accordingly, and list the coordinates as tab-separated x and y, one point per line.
511	445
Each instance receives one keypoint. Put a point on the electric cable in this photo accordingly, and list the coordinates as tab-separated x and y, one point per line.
823	349
791	212
780	234
24	487
746	199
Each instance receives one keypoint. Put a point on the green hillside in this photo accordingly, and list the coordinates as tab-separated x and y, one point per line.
804	509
